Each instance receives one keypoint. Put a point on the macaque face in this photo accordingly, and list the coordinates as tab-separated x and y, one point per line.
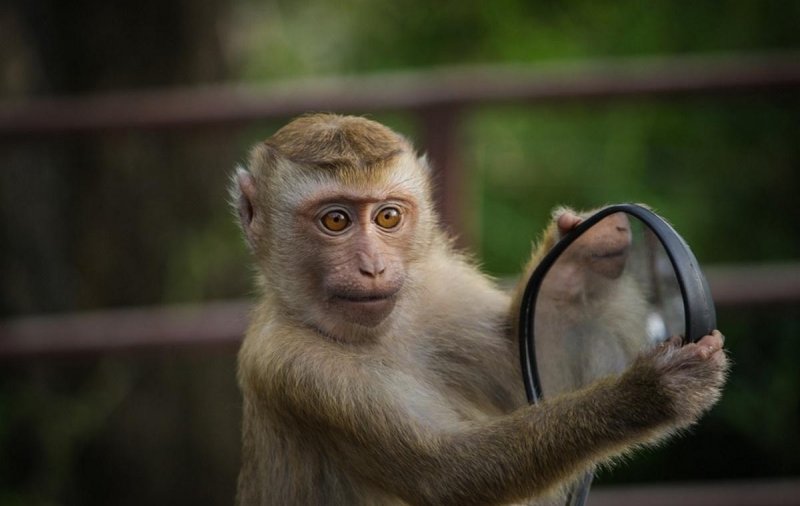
335	242
361	244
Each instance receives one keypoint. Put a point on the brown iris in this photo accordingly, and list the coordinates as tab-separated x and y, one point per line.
335	221
388	217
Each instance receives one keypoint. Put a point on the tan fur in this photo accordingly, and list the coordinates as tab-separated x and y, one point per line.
426	405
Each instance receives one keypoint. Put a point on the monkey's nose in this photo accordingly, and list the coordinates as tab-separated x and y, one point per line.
371	266
372	271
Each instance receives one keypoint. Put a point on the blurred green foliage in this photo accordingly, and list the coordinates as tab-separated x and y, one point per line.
713	168
311	37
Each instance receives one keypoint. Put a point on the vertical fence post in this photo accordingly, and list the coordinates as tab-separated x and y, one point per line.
440	139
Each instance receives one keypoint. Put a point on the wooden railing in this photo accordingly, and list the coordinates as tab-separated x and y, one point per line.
222	324
438	97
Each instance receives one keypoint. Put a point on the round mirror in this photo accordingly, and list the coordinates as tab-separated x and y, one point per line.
621	282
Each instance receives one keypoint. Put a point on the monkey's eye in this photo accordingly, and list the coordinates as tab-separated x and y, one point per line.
335	220
388	217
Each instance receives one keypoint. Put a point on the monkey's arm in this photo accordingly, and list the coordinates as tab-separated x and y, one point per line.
338	397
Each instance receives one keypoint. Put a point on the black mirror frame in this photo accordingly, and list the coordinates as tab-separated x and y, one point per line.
698	305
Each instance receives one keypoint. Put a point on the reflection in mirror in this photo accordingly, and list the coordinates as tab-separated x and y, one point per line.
610	295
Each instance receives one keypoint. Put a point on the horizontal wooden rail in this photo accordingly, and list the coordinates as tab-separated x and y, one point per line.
212	323
437	96
445	87
734	493
223	323
754	285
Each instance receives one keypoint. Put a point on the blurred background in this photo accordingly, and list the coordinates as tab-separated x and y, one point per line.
125	282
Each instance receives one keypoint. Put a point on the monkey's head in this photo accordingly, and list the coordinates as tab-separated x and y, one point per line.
336	211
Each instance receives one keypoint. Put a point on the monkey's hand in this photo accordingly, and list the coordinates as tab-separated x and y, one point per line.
690	377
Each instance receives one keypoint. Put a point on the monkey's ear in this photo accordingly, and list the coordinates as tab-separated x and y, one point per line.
243	191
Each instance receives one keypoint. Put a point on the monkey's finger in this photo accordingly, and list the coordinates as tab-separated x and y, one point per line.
713	340
708	345
568	221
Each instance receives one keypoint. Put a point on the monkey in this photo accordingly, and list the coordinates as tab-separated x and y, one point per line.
379	365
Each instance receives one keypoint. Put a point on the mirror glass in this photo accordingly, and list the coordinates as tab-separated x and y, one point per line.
611	294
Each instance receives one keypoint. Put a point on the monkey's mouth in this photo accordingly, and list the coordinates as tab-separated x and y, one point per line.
364	308
364	298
